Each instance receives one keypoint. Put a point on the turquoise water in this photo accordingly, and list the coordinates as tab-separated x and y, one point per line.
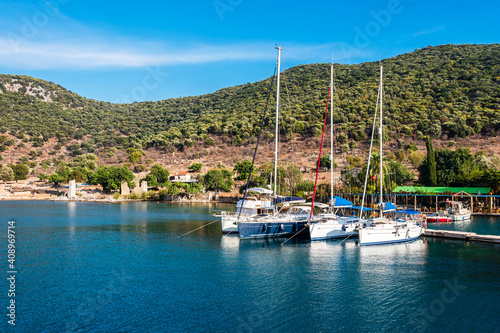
92	267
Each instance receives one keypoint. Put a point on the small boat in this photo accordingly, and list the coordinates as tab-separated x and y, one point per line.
437	219
450	211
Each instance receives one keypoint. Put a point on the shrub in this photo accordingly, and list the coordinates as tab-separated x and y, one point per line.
210	142
139	168
416	158
6	174
400	155
195	166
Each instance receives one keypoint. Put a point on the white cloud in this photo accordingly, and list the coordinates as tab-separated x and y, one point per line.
429	31
19	52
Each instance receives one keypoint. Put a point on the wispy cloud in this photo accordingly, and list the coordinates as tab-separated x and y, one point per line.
429	31
20	53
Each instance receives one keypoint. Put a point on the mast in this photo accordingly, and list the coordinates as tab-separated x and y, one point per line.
331	139
277	114
380	135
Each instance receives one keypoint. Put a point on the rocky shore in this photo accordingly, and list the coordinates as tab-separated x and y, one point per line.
33	189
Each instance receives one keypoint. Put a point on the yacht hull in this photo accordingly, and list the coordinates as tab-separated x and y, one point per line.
388	235
252	229
330	230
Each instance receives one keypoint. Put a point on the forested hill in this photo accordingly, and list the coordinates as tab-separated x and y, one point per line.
451	90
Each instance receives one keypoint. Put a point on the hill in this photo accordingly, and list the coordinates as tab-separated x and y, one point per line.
447	92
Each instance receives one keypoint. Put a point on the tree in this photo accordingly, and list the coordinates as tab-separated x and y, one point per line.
20	171
110	177
134	155
243	169
218	180
195	166
158	176
431	163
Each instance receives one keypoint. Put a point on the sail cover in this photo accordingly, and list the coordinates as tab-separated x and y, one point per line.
339	202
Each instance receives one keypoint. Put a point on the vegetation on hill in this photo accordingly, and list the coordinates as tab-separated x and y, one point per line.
451	90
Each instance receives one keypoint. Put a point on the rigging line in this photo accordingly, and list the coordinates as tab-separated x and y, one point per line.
258	140
298	232
289	102
319	158
203	226
369	155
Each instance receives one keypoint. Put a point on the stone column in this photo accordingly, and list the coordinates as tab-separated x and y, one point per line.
72	189
124	189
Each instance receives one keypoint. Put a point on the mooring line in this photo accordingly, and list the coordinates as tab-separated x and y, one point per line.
298	232
197	228
345	239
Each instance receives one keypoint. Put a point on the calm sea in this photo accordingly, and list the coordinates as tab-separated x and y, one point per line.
94	267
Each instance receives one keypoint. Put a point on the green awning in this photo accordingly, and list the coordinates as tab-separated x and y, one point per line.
441	190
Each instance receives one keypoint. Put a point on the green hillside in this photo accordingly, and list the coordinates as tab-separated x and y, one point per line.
445	90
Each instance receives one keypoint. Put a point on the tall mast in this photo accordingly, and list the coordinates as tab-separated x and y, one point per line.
380	135
331	139
277	114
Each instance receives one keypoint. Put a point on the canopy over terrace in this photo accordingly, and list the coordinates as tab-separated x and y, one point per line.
442	190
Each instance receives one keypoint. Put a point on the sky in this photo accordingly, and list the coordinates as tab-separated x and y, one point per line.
126	51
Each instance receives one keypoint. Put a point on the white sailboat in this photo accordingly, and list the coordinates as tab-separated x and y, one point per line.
383	230
331	224
277	224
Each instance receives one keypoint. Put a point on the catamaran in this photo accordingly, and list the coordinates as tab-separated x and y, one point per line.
382	229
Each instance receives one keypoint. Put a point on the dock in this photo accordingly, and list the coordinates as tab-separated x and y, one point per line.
466	236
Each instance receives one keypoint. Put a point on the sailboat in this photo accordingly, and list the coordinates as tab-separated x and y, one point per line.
331	225
384	230
290	220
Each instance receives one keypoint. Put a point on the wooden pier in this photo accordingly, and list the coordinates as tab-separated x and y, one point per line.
466	236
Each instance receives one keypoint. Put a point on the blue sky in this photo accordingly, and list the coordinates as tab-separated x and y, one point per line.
124	51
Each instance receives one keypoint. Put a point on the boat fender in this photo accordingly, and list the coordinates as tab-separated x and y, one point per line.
397	232
408	233
343	227
282	227
264	227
